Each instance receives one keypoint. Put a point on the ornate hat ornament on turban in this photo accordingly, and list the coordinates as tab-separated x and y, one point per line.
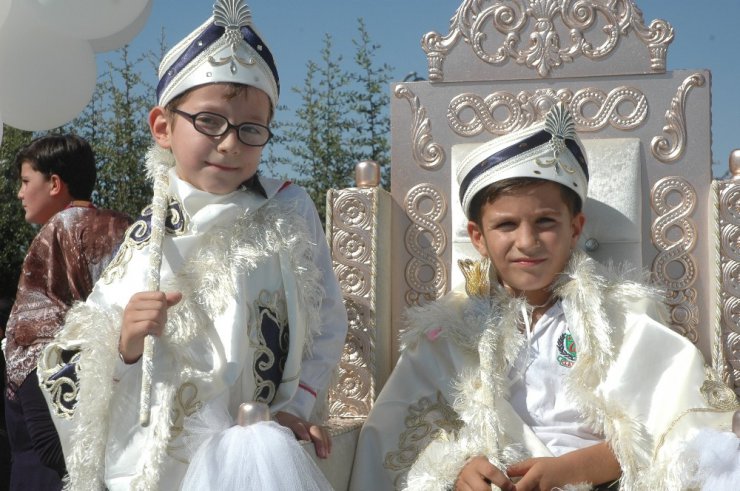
549	150
226	48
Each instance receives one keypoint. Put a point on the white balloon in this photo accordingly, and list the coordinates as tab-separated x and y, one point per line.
46	79
88	19
122	38
22	12
4	9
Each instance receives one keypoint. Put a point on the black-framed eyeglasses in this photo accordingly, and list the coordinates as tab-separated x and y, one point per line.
212	124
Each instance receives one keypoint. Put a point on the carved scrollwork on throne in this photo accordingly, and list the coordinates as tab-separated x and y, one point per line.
353	222
728	342
428	154
530	35
674	266
670	148
426	241
523	108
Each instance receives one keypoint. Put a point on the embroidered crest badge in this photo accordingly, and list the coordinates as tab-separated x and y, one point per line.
566	350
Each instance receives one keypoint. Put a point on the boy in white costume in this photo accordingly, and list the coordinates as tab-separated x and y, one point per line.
248	307
549	371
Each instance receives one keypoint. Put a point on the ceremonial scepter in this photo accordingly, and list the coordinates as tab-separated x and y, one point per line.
158	218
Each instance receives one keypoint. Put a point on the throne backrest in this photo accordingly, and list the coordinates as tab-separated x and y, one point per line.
652	201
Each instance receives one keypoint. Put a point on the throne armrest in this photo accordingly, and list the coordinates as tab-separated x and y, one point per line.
358	231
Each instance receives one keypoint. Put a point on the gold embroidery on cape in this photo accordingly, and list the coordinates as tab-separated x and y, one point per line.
186	404
718	394
272	305
719	397
477	277
63	390
426	420
136	237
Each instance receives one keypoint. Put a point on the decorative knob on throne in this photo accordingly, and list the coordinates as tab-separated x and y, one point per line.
367	174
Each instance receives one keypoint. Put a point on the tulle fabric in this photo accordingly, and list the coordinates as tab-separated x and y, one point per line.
263	456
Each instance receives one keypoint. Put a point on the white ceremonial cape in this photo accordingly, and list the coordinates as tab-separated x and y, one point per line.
636	381
261	314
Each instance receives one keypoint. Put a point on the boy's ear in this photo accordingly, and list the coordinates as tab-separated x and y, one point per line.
477	238
159	125
56	185
577	225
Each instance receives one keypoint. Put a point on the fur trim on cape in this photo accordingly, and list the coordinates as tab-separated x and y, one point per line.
598	298
205	280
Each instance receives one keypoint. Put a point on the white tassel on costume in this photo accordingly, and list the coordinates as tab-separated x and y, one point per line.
255	454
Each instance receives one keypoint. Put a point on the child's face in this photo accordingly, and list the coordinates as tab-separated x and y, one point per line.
528	236
37	195
216	164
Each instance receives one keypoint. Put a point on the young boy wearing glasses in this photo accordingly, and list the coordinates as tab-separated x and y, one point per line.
248	307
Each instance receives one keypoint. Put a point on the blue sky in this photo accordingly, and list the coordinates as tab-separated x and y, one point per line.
705	38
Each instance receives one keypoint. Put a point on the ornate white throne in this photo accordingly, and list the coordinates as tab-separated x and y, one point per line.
652	200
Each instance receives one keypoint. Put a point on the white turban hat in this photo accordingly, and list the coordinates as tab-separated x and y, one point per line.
549	149
226	48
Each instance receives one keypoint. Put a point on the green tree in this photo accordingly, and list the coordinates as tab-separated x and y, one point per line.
316	138
370	101
15	232
114	122
343	118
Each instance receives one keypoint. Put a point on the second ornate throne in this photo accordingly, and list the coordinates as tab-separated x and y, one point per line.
652	203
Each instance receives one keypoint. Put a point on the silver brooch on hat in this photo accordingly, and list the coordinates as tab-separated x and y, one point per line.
559	123
232	15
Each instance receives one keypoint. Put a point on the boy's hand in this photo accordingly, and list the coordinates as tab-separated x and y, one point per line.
595	464
478	475
145	313
544	473
307	431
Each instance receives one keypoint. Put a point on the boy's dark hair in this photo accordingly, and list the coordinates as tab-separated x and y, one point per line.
507	186
68	156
